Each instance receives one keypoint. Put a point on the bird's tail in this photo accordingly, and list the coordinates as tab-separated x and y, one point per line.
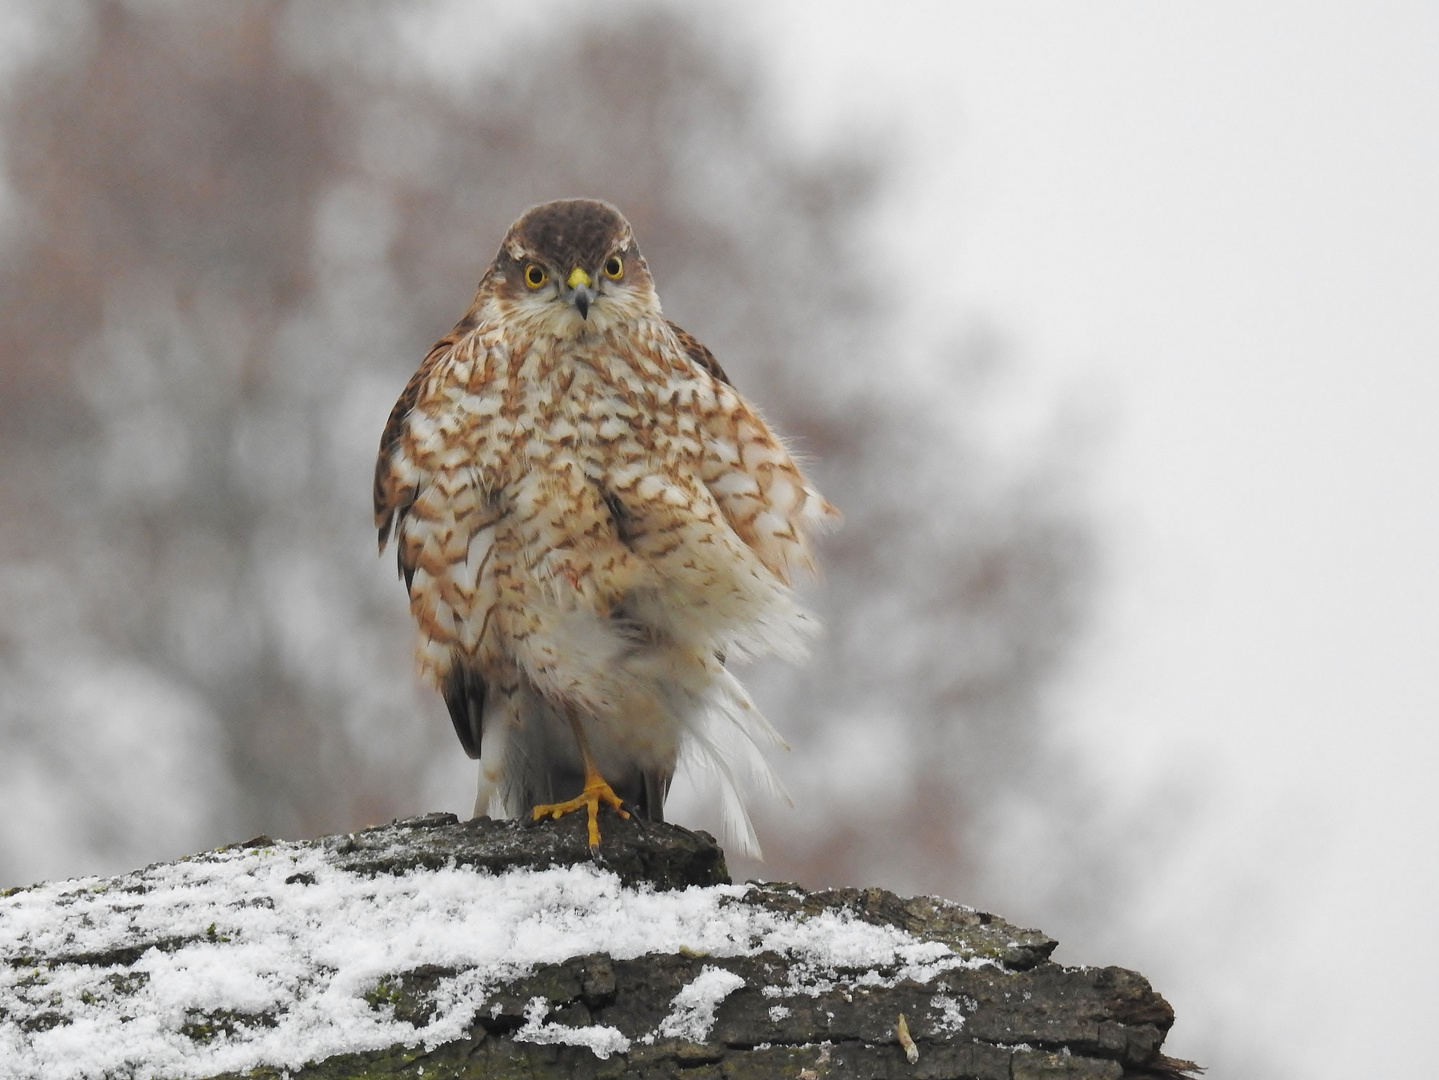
726	740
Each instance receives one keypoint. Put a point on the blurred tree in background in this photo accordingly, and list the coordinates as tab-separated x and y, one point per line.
233	230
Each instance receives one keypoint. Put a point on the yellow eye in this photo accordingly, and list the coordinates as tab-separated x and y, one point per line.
536	275
614	268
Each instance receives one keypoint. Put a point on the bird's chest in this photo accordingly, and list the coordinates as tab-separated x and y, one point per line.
609	417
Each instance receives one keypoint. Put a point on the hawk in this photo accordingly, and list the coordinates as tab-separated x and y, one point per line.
590	522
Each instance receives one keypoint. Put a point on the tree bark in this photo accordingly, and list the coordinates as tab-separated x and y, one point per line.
1009	1013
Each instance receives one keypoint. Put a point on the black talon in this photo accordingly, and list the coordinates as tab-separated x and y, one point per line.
637	816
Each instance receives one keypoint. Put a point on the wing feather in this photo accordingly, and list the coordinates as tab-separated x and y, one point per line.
464	694
760	488
699	354
440	509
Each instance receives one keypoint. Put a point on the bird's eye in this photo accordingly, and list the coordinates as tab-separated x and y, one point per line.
536	275
614	268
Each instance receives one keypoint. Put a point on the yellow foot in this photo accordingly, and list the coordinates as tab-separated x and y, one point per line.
596	791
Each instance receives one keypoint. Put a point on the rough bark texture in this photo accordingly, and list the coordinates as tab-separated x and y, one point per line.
1023	1016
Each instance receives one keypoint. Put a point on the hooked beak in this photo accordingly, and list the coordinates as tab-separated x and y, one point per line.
582	291
582	298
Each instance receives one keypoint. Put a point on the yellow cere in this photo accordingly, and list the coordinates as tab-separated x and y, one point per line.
579	277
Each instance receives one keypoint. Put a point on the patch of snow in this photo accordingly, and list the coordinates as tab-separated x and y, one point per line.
600	1038
778	1013
692	1013
951	1014
280	933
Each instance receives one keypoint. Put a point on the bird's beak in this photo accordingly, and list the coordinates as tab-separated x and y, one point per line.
582	291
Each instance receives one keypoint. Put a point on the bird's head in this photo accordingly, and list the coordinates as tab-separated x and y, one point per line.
571	267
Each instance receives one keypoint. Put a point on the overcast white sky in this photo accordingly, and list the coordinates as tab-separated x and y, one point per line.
1218	224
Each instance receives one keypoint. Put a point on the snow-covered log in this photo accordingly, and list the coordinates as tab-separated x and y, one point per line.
437	948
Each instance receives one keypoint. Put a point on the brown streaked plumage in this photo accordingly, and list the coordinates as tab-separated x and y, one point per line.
589	519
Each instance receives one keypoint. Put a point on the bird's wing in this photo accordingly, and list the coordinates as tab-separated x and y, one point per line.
433	493
395	483
700	355
759	487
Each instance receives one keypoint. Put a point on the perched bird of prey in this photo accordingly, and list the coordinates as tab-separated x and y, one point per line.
591	521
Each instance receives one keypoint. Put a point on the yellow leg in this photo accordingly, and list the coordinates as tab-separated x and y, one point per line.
597	790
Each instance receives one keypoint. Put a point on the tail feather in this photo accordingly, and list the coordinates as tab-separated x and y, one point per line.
725	740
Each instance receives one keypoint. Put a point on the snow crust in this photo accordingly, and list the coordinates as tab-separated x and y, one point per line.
951	1016
279	931
692	1013
602	1039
